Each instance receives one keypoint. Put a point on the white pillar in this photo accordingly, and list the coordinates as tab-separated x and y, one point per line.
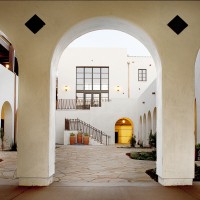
36	139
175	124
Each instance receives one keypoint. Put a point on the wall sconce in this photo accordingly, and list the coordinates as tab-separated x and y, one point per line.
123	121
66	88
117	88
7	66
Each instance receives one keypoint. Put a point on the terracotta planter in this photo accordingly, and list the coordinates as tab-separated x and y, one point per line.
72	140
86	140
79	138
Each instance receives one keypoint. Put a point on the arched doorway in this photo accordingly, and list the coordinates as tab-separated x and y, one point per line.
7	124
123	131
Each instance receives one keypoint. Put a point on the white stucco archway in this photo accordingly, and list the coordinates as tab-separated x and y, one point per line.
93	24
7	116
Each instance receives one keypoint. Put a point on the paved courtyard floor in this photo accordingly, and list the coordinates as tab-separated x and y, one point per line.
83	165
98	172
99	165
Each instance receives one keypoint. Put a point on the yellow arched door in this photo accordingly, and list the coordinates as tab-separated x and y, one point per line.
123	131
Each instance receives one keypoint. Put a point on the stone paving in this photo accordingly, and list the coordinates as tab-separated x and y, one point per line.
8	167
84	165
81	165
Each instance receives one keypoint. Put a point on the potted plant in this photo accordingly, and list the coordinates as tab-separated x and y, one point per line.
152	140
197	152
79	138
132	141
86	139
72	138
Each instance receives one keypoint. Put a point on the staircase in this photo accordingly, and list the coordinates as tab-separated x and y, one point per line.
97	136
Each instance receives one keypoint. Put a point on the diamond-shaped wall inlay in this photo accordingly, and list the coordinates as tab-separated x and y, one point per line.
177	24
34	24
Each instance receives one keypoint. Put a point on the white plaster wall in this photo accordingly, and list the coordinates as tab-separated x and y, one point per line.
116	59
140	62
197	94
7	95
103	118
149	104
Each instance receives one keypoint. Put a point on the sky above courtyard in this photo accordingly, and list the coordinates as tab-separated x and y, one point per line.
111	39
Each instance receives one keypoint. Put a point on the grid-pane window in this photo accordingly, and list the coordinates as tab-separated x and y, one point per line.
92	84
142	75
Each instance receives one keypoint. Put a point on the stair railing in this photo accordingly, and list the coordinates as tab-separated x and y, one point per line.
79	125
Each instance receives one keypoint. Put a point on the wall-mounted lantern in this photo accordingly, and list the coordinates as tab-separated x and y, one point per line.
117	88
66	88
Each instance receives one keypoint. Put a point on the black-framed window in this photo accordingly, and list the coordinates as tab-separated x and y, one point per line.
92	84
142	74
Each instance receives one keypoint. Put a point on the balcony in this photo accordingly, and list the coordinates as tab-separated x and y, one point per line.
78	104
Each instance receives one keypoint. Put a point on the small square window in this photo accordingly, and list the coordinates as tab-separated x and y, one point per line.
142	75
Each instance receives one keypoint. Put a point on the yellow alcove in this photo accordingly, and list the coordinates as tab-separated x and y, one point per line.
123	131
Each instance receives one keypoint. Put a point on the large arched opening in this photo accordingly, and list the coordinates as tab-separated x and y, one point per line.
9	88
84	27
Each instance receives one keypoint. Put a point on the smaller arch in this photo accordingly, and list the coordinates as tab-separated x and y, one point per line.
154	120
140	129
149	122
7	123
144	134
124	130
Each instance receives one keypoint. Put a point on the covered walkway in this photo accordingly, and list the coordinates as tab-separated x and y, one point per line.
93	172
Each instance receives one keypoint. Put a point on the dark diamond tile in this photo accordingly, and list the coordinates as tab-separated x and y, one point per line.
177	25
34	24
